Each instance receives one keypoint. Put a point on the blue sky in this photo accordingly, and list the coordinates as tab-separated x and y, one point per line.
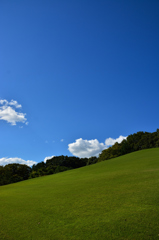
76	75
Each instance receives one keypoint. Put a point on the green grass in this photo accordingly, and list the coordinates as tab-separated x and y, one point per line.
114	199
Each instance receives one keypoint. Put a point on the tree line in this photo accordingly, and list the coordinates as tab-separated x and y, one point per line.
16	172
12	173
134	142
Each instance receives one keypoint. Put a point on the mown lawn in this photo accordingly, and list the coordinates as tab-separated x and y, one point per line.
114	199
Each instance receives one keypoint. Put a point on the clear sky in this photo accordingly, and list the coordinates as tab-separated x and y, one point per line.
76	75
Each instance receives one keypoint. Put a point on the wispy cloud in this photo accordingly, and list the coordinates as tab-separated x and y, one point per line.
62	140
47	158
9	113
15	104
87	148
111	141
4	161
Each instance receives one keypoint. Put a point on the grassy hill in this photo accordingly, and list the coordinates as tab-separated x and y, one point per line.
114	199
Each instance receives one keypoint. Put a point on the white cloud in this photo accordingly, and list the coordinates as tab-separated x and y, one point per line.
111	141
4	161
88	148
62	140
9	114
15	103
47	158
11	103
3	101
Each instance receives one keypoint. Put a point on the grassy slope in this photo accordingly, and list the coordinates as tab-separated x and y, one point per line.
114	199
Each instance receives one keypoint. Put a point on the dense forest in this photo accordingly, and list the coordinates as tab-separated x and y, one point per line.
12	173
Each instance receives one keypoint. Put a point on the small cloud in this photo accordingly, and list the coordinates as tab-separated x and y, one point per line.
47	158
9	114
111	141
46	141
62	140
86	148
4	161
15	103
3	102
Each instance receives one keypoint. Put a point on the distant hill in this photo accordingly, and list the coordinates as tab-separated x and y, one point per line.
12	173
115	199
